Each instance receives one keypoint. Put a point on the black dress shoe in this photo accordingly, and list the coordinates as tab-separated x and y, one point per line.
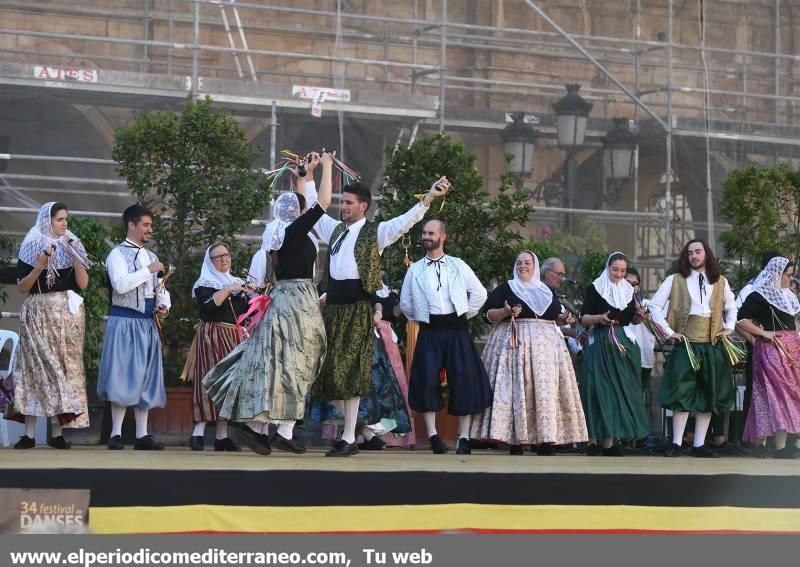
760	451
227	445
438	446
147	443
546	450
703	452
282	443
593	450
343	449
197	443
374	444
25	442
59	443
463	447
674	450
258	442
788	452
613	451
115	443
515	450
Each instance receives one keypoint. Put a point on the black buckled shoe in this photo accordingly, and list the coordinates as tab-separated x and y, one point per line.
147	443
674	450
197	443
282	443
25	442
438	446
546	450
788	452
463	447
613	451
343	449
59	443
115	443
374	444
703	452
226	445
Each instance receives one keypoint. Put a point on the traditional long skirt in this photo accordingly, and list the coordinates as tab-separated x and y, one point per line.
445	344
536	398
347	372
212	342
48	378
131	365
395	438
775	403
269	375
611	388
709	389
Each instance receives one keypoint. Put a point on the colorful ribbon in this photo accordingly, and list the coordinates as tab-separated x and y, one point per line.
614	339
695	364
345	176
258	306
514	341
734	353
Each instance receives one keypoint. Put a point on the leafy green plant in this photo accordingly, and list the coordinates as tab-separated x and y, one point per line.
194	170
763	205
96	238
483	229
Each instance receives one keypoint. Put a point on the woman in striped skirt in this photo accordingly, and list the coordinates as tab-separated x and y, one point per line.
222	300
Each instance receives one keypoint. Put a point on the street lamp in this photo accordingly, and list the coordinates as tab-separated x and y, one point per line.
572	113
519	141
619	146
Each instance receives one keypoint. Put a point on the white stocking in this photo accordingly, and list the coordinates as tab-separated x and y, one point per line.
701	423
141	422
430	422
464	423
780	439
117	417
30	426
199	429
222	429
56	428
679	420
285	427
350	418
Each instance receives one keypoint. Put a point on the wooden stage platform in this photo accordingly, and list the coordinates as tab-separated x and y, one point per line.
178	490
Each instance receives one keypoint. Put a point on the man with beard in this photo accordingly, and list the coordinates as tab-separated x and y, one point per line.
701	309
441	292
353	275
131	372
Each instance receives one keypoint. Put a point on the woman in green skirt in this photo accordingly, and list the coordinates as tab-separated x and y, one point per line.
610	387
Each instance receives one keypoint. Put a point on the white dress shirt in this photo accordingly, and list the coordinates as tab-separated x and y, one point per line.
123	281
343	264
439	300
701	305
743	293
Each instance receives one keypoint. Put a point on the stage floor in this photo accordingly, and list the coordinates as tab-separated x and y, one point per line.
181	491
391	460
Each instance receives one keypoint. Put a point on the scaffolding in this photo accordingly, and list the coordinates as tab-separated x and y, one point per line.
417	66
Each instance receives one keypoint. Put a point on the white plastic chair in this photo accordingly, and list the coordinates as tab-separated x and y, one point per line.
5	337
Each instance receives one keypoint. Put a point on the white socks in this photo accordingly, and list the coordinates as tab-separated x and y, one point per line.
701	423
117	417
464	423
780	439
679	420
199	429
222	429
55	427
141	422
350	418
30	426
285	427
607	443
430	422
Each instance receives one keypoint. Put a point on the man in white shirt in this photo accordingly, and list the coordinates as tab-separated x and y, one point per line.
701	309
353	274
131	372
441	292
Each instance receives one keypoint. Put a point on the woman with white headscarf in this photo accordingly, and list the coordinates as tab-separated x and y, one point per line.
768	315
267	378
536	399
610	385
48	378
222	300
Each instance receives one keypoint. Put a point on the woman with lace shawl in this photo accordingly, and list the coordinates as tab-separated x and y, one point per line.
268	377
48	378
610	386
768	316
536	399
221	298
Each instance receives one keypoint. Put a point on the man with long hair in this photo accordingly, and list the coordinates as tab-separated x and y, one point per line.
701	310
